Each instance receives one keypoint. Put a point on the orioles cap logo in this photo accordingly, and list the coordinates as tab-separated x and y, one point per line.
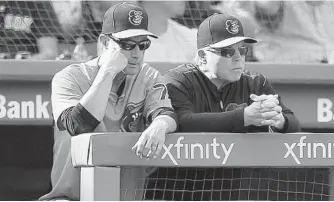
232	26
135	17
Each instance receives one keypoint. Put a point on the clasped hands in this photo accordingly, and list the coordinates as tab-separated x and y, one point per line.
264	111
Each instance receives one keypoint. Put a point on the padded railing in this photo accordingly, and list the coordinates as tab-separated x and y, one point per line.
207	166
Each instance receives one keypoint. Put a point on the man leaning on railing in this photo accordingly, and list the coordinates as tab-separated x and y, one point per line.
114	92
216	94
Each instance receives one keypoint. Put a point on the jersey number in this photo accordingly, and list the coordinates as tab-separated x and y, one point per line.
163	92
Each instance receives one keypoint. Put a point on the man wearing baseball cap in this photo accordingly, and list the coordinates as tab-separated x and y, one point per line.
216	94
115	92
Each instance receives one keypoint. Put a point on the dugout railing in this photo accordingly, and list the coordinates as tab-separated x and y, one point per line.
263	166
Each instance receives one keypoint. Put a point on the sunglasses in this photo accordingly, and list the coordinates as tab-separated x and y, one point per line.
229	52
128	45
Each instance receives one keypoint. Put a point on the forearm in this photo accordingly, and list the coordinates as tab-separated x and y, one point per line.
232	121
292	124
96	98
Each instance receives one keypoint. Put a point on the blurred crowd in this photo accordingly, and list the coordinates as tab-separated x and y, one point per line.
288	31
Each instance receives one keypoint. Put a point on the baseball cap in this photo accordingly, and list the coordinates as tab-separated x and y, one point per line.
125	20
221	30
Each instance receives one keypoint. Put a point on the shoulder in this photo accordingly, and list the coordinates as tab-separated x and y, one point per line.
182	71
71	73
147	73
184	76
148	76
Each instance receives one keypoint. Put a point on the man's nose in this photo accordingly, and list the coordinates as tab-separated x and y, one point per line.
237	55
135	53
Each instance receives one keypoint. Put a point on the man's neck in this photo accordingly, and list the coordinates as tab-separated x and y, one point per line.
219	83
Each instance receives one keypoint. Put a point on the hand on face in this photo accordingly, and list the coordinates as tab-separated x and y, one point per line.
112	59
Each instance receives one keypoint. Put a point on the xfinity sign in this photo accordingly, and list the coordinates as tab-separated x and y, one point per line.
308	150
191	151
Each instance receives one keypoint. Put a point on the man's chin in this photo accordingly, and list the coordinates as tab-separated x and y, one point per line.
131	70
235	78
238	77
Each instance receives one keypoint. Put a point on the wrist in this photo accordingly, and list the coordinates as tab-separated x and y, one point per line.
104	77
162	124
167	123
246	121
281	125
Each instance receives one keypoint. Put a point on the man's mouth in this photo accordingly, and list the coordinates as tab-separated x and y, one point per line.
132	64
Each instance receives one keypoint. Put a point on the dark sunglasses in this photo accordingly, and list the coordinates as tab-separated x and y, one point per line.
229	52
128	45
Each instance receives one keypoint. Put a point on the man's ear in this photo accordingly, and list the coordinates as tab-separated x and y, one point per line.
104	40
202	56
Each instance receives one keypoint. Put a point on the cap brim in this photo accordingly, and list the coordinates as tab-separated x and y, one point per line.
133	32
233	40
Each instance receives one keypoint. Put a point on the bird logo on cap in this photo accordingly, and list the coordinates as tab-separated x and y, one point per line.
232	26
135	17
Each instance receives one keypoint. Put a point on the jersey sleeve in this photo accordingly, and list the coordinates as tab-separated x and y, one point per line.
157	98
65	93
